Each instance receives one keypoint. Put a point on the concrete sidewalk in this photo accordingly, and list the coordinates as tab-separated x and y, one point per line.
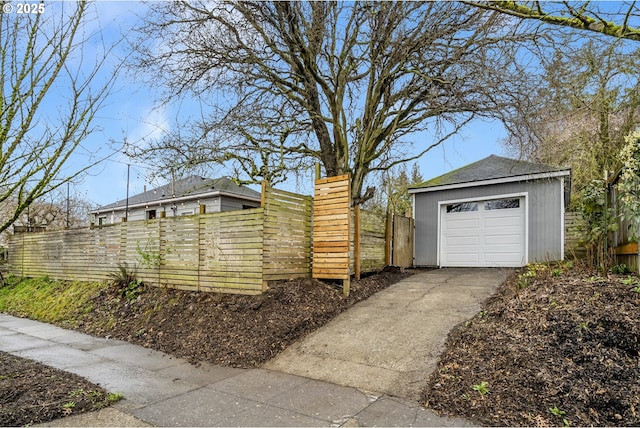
349	373
164	391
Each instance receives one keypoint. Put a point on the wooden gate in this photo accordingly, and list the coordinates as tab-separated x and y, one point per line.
402	241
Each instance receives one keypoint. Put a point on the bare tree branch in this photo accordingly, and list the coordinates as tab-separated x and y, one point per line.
35	55
588	16
346	84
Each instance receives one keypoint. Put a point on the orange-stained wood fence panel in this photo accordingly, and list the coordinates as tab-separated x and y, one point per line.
331	221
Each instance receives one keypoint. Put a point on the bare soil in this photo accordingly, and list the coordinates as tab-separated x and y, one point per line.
562	351
32	393
227	329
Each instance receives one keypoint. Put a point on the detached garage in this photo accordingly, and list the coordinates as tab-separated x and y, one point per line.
496	212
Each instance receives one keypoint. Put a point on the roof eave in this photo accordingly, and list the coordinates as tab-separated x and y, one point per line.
511	179
165	201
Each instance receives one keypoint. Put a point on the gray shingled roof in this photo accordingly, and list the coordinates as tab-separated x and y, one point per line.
489	168
189	186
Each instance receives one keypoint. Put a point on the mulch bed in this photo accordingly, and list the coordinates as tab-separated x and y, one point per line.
32	393
227	329
562	351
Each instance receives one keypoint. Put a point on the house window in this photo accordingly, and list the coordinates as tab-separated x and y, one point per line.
502	204
247	207
462	207
151	214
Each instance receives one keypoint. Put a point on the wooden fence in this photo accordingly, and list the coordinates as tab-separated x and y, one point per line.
349	241
622	251
331	229
573	224
401	247
235	251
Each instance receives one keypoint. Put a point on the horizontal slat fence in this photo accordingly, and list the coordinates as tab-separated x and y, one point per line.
289	236
234	251
231	252
373	238
573	224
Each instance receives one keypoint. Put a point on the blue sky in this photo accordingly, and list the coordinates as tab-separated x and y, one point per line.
131	112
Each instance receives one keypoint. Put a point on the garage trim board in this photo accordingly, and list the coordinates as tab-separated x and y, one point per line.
487	231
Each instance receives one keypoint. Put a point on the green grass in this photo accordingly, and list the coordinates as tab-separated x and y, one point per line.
48	300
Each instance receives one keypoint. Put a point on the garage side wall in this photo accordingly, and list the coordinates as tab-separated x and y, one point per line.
545	217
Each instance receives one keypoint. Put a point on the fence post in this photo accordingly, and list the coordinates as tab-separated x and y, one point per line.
263	193
388	239
356	241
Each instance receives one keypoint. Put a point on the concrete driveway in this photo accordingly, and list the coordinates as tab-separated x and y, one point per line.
392	341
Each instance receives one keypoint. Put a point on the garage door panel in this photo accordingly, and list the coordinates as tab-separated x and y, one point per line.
495	240
462	259
502	260
486	237
463	223
501	222
462	241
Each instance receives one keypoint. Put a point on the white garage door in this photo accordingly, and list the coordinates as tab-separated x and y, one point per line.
483	233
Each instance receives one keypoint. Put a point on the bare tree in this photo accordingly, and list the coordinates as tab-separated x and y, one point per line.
585	103
620	19
47	101
285	84
56	211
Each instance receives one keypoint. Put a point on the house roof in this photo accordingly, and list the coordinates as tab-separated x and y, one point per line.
191	187
490	170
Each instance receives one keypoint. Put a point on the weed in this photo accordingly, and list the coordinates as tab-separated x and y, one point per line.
630	280
147	257
76	392
555	411
524	279
621	269
67	408
125	282
112	397
94	394
636	289
123	276
567	264
556	272
482	388
583	326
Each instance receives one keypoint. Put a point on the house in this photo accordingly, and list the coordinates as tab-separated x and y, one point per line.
181	197
496	212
